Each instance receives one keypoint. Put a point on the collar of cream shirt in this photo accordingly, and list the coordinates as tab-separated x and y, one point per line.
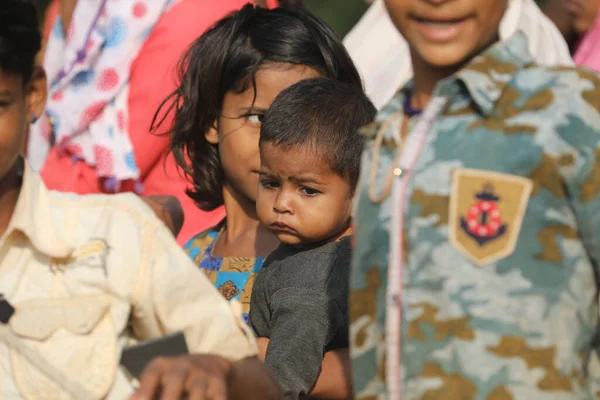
33	217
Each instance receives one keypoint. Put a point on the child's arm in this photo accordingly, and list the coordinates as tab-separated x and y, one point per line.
335	379
263	344
303	321
168	209
582	176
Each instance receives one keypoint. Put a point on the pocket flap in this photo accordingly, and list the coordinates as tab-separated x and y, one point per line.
38	319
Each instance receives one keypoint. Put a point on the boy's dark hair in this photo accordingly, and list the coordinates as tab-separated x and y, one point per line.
325	115
20	38
226	58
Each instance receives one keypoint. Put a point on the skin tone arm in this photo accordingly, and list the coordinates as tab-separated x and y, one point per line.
334	381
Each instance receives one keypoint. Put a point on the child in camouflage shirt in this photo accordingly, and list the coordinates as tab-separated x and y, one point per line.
477	227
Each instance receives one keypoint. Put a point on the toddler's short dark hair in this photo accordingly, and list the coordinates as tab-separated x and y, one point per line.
325	115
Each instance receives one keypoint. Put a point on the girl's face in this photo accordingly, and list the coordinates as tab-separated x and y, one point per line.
238	129
447	33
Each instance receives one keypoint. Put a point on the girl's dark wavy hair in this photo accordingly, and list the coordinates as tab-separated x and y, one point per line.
20	38
226	58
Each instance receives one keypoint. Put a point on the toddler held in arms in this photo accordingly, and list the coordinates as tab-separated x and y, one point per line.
310	158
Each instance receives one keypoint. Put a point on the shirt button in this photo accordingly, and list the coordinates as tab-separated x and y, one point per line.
398	172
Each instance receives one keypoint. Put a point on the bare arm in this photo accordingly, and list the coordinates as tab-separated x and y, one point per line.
168	209
335	379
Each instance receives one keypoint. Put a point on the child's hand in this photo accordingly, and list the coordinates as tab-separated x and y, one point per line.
198	377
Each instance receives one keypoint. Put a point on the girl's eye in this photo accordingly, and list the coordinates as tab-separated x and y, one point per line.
310	192
255	118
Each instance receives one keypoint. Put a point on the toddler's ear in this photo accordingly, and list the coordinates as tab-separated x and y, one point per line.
212	136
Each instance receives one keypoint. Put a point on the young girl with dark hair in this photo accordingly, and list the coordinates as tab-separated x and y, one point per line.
229	78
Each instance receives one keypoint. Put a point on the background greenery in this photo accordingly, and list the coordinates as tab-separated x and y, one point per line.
340	14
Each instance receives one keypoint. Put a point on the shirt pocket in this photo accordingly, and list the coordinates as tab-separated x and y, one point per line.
486	213
75	335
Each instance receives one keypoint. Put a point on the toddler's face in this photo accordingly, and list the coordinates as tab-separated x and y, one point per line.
446	33
300	199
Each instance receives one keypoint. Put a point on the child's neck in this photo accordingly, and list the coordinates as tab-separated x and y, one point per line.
10	187
243	236
67	9
426	77
241	212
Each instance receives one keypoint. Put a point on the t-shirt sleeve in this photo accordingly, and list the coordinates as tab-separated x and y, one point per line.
582	176
303	322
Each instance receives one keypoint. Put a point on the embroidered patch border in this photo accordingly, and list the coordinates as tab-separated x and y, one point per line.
483	226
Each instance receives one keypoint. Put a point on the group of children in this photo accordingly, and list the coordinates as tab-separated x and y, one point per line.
474	262
283	68
282	76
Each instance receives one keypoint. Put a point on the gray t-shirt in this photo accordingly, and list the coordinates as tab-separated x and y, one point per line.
300	302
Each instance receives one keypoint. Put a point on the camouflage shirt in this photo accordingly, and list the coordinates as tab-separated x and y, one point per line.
500	229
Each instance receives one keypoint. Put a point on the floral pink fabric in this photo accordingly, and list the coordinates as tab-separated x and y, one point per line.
152	78
89	71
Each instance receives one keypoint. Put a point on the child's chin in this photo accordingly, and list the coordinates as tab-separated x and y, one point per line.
289	239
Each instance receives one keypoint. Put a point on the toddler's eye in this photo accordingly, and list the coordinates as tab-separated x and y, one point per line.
268	184
310	192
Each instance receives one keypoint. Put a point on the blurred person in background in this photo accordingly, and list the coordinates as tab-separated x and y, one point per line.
381	53
109	66
579	22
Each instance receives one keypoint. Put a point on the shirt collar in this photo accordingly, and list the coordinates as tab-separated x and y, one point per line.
33	217
488	75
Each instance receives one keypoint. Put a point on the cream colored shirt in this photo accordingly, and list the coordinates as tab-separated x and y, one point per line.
88	275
